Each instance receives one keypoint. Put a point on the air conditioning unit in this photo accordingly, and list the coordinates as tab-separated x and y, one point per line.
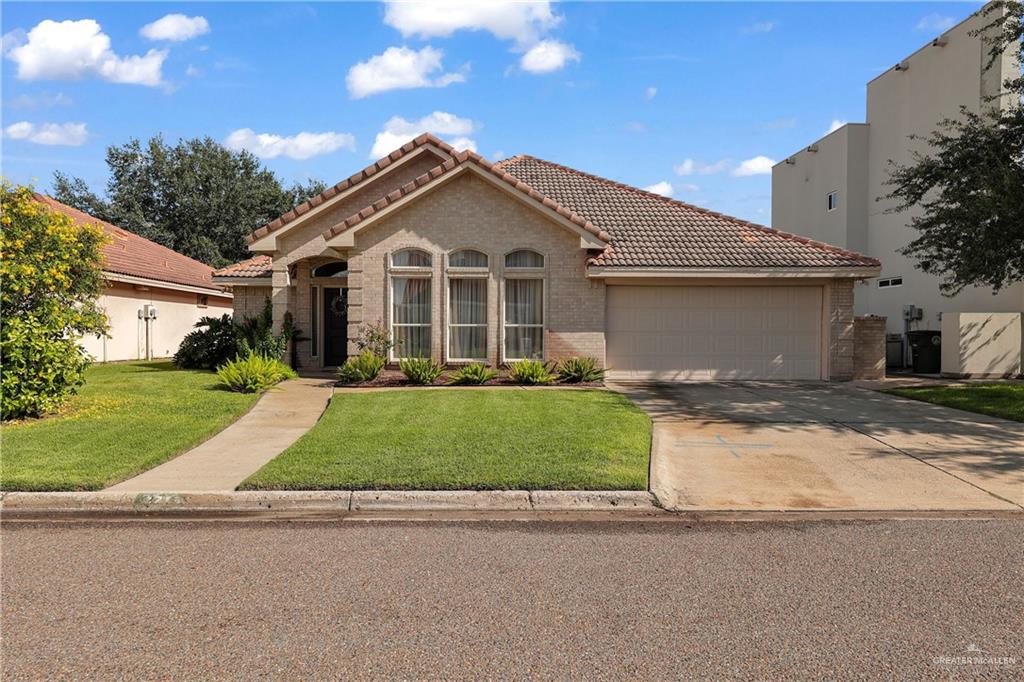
148	312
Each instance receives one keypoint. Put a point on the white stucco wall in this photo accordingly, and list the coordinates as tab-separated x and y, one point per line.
983	344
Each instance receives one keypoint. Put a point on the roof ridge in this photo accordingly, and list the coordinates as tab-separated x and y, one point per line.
694	207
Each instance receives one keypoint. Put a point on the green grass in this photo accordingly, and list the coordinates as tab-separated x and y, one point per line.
448	439
997	400
126	419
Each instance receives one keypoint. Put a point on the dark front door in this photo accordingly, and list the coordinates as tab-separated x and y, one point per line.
335	325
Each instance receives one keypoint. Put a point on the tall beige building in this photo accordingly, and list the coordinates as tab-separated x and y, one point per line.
833	191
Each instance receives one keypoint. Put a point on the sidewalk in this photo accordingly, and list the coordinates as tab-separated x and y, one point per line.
281	416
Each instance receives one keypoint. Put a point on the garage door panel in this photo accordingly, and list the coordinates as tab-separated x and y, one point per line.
688	333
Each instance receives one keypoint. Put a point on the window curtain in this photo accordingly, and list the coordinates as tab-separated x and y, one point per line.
524	259
467	258
524	318
411	316
468	311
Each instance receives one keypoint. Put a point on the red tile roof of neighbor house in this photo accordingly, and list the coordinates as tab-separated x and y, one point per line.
129	254
642	229
257	266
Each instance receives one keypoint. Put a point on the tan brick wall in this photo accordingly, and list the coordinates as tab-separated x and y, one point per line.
249	301
841	330
469	212
869	347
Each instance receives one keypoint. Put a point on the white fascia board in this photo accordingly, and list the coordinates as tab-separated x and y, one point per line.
244	281
160	284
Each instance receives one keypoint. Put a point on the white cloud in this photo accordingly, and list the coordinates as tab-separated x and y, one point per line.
43	100
399	68
397	131
691	167
690	187
547	56
836	125
663	188
71	50
935	23
759	165
758	27
523	22
63	134
193	71
651	92
175	27
301	146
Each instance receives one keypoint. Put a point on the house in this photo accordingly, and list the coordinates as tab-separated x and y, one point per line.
153	296
467	260
833	190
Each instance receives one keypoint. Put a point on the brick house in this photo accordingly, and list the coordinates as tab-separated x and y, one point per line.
467	260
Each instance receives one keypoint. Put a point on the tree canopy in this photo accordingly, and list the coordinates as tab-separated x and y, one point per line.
196	197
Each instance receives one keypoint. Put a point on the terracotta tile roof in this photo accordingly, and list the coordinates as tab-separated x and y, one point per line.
457	160
129	254
649	230
369	171
258	266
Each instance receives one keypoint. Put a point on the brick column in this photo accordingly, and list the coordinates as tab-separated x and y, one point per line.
840	345
869	347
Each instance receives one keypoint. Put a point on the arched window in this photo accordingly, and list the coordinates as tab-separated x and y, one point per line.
410	258
336	269
467	258
524	258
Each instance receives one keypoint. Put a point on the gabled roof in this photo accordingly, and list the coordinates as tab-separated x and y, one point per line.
651	231
129	254
459	160
346	184
257	266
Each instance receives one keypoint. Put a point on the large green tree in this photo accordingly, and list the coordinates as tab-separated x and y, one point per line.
196	197
966	192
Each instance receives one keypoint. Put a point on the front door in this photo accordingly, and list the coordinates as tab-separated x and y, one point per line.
335	326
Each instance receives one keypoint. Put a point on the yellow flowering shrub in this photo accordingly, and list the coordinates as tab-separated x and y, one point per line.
50	279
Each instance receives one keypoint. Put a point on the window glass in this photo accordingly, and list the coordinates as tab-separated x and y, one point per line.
410	315
524	319
524	259
467	327
314	320
833	201
410	258
467	258
339	269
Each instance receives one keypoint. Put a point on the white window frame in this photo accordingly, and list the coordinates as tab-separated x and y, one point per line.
408	272
513	273
831	205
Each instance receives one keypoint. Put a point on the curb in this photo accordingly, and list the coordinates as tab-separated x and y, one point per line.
64	503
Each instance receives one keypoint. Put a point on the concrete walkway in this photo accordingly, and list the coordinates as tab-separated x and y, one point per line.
280	417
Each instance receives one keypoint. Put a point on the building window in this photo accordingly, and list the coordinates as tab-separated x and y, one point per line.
202	300
467	259
410	258
524	259
833	201
337	269
410	317
524	318
467	318
314	321
888	282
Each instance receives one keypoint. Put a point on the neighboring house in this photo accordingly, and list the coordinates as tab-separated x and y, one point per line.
831	191
144	279
466	260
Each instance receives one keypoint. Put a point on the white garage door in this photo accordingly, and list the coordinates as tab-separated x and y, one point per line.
695	333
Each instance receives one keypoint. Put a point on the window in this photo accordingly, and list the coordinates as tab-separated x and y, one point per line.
467	318
410	316
337	269
410	258
888	282
833	201
202	300
524	259
314	321
524	318
467	258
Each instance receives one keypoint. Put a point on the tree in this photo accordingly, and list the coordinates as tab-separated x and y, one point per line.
197	197
52	276
968	188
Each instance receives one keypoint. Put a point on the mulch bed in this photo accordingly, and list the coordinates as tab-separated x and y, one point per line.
393	378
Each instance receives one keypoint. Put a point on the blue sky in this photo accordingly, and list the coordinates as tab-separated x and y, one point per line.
698	96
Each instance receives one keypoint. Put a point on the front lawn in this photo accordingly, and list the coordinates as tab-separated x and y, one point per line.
126	419
997	400
449	439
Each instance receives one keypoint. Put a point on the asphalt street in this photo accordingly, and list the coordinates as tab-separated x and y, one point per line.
358	600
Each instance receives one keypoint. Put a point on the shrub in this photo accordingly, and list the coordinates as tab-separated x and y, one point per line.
473	375
51	273
576	370
253	373
376	338
364	367
214	342
257	335
531	372
421	371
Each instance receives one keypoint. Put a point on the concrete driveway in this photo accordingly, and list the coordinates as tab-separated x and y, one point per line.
825	446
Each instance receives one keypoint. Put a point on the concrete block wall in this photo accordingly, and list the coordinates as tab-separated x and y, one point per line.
841	330
869	347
